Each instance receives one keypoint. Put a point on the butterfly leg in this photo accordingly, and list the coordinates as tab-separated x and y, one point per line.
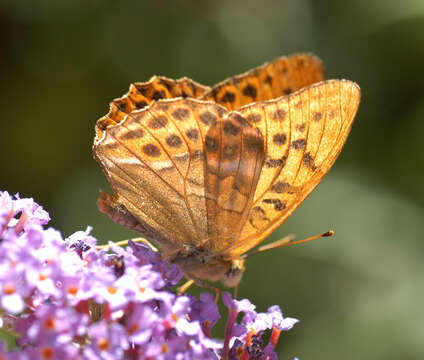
183	288
210	287
125	242
235	294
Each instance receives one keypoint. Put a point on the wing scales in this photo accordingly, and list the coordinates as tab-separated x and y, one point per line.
234	156
153	160
320	119
269	81
142	94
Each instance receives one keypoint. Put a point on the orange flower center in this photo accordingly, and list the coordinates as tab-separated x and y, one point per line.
49	324
103	344
42	277
9	289
72	290
134	327
112	290
174	317
47	353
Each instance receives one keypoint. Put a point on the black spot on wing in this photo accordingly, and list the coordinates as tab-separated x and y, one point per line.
253	118
274	163
298	144
278	204
174	141
158	94
228	97
180	114
192	134
268	80
250	91
208	118
211	144
140	104
278	115
230	129
133	134
279	139
280	187
158	122
151	150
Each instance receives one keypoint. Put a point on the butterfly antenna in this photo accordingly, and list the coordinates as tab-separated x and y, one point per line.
286	241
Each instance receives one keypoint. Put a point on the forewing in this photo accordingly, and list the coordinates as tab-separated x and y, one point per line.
304	133
269	81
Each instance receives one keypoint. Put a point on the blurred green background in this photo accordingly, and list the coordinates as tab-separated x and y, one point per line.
358	295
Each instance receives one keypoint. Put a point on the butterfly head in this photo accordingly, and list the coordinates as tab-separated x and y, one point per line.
233	275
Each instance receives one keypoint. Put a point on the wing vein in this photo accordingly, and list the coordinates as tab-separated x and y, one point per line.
286	154
135	186
304	149
146	164
190	212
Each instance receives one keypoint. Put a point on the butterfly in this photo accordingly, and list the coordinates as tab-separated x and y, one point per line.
208	173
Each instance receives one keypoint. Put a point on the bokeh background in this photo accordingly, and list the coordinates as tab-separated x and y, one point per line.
360	294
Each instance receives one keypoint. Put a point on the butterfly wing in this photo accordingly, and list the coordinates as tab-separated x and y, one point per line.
142	94
234	155
269	81
304	133
154	160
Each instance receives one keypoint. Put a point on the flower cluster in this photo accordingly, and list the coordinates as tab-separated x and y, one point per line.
67	299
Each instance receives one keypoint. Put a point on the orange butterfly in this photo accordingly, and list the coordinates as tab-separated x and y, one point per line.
209	173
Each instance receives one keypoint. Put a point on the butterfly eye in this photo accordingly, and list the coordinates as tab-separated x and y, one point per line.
237	267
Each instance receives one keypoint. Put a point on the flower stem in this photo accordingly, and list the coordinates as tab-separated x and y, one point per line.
232	316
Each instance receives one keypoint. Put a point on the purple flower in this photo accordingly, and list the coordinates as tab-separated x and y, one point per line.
107	341
28	208
52	325
205	311
245	339
6	211
20	213
276	316
140	332
68	299
81	241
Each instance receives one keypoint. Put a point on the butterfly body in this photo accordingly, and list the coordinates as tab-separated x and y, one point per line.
208	173
197	262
